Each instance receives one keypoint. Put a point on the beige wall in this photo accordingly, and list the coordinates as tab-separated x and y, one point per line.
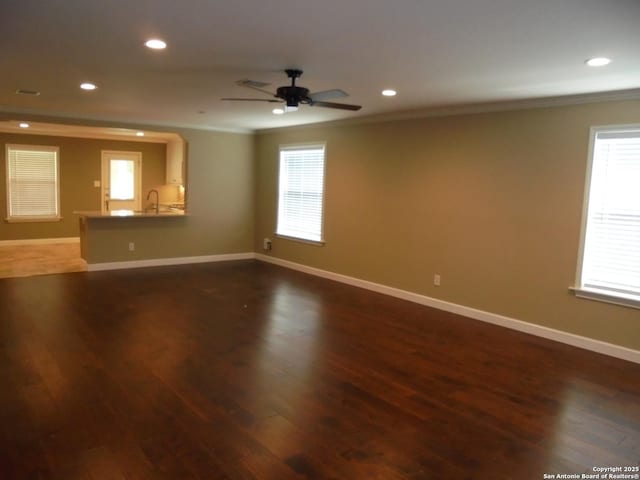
492	202
80	161
220	202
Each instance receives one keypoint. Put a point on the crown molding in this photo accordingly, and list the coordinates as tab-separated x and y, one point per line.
467	109
73	119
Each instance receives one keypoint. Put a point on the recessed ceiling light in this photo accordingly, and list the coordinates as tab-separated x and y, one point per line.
139	134
598	62
389	93
24	125
88	86
278	111
156	44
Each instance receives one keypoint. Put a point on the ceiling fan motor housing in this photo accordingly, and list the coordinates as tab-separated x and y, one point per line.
293	95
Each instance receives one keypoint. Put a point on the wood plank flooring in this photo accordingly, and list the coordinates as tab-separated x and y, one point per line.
40	259
245	370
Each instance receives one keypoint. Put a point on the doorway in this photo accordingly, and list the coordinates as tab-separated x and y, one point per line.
121	180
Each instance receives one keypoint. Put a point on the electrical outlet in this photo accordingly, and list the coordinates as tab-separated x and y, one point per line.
436	280
266	244
132	246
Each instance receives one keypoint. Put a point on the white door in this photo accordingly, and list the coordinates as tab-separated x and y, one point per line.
121	172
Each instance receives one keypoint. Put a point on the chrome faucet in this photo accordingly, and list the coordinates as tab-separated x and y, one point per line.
157	204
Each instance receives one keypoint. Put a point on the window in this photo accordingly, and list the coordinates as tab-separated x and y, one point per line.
32	183
301	191
609	267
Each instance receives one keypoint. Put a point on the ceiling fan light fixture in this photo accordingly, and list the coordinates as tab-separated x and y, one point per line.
598	61
291	108
278	111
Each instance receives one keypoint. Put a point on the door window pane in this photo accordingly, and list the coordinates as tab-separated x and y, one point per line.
122	179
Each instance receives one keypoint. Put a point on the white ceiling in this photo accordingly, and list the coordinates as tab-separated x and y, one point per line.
434	52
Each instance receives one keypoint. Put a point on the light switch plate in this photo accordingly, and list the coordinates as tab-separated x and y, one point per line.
96	183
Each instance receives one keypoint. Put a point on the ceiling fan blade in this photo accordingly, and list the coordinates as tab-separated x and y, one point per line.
328	95
271	100
253	85
341	106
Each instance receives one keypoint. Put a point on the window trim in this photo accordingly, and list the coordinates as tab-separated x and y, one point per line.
317	243
591	293
298	146
34	218
605	296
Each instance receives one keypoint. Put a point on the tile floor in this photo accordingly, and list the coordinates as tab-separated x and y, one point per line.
43	259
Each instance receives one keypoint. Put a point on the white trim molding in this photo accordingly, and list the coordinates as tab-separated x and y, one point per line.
469	109
161	262
574	340
38	241
617	298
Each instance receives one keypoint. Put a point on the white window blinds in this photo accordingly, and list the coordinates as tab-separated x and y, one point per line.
32	182
611	260
301	190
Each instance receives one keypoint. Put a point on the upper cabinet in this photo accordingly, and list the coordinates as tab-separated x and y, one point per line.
175	162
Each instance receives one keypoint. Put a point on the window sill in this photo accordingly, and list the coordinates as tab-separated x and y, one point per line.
625	300
317	243
32	219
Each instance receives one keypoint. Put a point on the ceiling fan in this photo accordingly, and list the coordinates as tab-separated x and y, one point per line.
294	95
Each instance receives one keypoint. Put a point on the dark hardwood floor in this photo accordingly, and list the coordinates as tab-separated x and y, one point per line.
244	370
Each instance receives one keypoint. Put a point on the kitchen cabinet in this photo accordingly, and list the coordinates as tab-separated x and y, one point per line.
175	163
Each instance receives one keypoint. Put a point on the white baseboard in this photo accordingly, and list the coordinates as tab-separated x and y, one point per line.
530	328
38	241
160	262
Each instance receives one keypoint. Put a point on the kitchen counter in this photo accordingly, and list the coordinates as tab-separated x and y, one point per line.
126	235
131	213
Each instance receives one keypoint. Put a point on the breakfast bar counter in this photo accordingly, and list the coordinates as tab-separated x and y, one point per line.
129	235
130	213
